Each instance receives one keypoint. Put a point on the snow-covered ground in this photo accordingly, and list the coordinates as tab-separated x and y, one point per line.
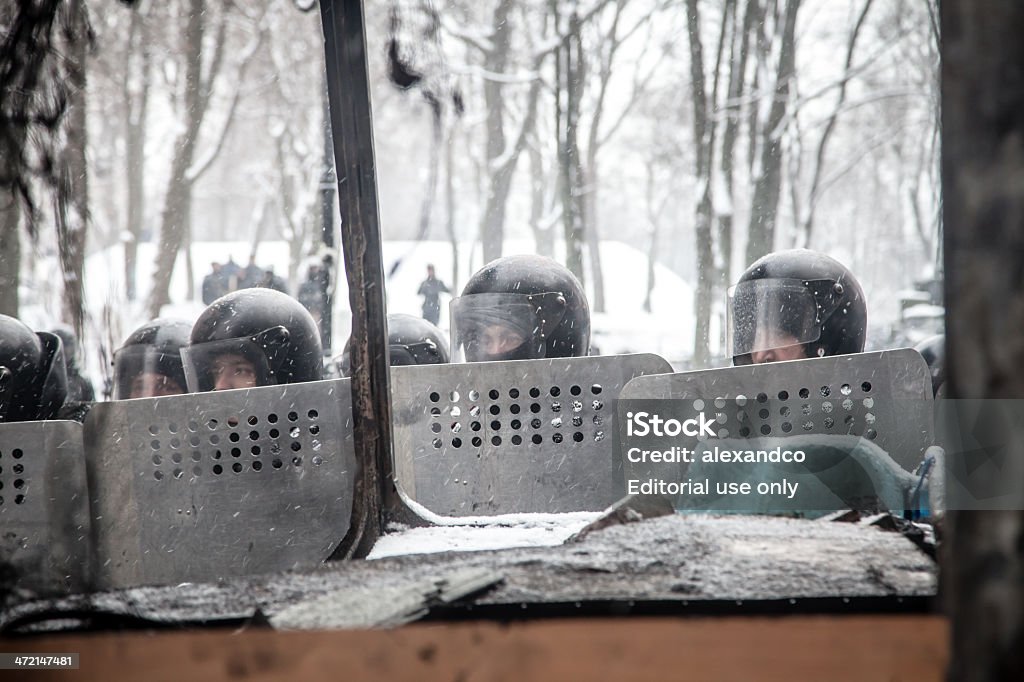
474	534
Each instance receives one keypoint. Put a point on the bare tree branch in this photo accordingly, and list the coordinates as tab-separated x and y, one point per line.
200	167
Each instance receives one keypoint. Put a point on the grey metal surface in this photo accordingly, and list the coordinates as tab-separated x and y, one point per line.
204	486
44	506
505	437
884	397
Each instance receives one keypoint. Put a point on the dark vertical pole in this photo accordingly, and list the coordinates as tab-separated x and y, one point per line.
983	222
351	118
328	182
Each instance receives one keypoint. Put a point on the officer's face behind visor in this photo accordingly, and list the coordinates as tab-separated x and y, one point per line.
771	320
226	365
494	327
147	372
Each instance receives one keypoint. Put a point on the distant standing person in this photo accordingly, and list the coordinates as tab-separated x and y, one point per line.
431	289
272	281
215	284
250	276
231	272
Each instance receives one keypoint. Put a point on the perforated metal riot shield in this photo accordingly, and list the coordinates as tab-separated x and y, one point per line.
508	437
44	506
875	406
201	486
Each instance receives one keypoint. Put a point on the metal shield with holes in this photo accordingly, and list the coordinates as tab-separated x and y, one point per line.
507	437
44	506
883	397
202	486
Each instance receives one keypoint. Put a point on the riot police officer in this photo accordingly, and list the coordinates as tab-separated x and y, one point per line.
795	304
33	379
148	364
411	341
521	308
252	337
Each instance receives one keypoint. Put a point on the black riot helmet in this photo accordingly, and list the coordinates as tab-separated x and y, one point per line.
521	308
411	341
796	299
933	350
33	377
148	363
270	333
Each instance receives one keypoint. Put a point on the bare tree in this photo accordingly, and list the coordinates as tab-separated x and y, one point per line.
135	95
175	222
10	251
35	88
768	175
740	55
500	165
603	55
502	150
569	83
655	210
704	108
815	190
72	213
450	203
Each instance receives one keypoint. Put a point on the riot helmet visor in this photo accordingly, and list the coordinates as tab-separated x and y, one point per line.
145	371
770	314
492	327
227	364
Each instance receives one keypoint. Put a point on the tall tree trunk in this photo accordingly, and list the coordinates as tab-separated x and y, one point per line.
499	175
653	220
702	227
450	203
190	266
768	185
543	235
136	105
433	167
983	205
592	230
570	86
10	251
704	128
175	217
73	219
737	78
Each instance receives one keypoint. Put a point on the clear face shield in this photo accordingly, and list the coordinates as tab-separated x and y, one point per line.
228	364
493	327
147	372
775	315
